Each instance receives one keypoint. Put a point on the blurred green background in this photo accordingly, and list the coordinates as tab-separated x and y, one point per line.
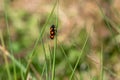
86	28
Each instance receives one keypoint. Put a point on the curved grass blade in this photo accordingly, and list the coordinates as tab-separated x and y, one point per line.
50	62
43	71
5	57
101	70
79	58
67	60
45	60
39	39
55	45
108	22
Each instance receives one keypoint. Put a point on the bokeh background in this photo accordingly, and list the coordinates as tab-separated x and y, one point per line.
98	20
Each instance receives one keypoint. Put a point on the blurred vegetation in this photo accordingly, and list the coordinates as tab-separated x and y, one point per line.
87	41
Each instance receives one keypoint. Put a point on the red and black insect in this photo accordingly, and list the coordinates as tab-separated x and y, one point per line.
52	31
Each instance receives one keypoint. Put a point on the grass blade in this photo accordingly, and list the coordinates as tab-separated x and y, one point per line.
55	45
5	58
50	62
43	71
101	70
108	21
45	60
39	39
79	58
67	59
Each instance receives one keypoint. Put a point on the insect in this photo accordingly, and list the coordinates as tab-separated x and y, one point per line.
52	31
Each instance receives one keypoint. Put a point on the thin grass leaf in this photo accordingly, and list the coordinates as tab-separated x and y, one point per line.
54	54
8	35
67	60
7	54
71	76
39	39
101	70
5	58
55	47
108	25
43	71
17	63
50	62
1	39
14	70
22	73
7	25
45	60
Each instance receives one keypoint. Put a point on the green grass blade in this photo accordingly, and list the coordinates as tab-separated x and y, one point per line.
54	54
55	46
39	39
101	70
45	60
108	21
14	70
5	58
67	60
50	62
79	58
2	40
8	34
17	63
43	71
21	73
7	24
